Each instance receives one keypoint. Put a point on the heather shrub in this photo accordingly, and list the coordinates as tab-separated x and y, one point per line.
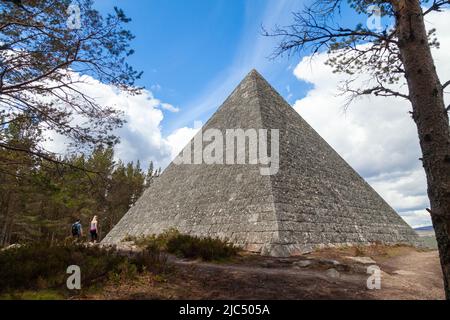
205	248
43	266
172	241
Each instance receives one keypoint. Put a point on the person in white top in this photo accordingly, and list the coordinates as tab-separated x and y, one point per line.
93	230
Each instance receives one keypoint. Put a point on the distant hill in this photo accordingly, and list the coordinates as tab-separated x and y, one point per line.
427	228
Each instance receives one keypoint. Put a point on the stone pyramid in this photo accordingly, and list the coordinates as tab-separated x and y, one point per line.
314	200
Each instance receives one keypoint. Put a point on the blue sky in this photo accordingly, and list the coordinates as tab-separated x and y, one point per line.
193	53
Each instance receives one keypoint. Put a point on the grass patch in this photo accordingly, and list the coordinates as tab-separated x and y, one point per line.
33	295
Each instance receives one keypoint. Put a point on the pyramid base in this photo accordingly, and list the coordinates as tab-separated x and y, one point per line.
292	250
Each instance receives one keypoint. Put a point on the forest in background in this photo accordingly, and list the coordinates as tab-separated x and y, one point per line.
40	198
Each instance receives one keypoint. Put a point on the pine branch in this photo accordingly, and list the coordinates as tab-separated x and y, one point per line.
384	92
437	6
445	84
50	159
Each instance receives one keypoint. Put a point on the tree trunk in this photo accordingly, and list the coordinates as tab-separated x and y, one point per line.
5	209
431	118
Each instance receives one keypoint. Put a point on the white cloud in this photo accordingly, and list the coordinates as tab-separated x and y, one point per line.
376	135
417	218
140	137
169	107
179	139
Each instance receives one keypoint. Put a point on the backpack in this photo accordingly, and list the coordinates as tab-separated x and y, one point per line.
75	229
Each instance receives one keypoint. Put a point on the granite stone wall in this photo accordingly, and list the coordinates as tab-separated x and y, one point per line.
316	199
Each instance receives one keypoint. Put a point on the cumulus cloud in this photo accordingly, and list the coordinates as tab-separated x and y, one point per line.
179	139
140	137
376	135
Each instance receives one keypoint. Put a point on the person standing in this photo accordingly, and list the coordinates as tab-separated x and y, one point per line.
77	229
94	229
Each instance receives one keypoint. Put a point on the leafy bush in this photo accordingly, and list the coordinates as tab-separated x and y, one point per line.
124	271
41	266
153	258
205	248
153	241
183	245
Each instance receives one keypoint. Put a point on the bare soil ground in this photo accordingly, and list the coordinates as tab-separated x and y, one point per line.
407	273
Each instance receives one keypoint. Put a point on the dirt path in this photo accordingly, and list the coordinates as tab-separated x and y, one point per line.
416	275
328	274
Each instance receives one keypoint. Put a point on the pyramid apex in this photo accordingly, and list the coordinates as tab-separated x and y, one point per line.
252	76
254	73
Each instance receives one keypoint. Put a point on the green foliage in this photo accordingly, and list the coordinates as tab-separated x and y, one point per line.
42	266
153	258
186	246
33	295
156	241
205	248
44	48
42	203
123	272
361	6
41	194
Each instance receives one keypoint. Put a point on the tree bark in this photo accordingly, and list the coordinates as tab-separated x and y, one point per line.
431	118
5	209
